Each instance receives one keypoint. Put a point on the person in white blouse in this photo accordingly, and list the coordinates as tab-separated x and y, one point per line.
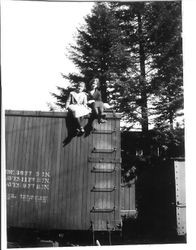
77	105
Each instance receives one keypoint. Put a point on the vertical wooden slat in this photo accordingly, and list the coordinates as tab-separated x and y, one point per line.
18	156
64	162
64	166
69	182
84	181
61	194
29	163
13	155
89	204
61	174
80	181
83	164
9	126
72	184
13	166
58	128
37	165
41	210
56	165
75	195
76	179
46	163
53	170
22	166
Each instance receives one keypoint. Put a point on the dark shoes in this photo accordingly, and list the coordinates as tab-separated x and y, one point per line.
80	131
102	121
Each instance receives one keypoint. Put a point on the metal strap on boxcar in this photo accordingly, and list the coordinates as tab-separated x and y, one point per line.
100	170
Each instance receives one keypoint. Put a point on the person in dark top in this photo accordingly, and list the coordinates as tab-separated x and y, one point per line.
95	101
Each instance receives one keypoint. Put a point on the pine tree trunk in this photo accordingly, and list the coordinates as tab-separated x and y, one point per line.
144	107
171	121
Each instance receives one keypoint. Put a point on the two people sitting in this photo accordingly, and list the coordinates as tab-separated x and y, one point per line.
78	105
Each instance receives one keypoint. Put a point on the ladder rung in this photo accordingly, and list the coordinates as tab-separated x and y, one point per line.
96	189
102	170
102	210
96	150
95	131
104	160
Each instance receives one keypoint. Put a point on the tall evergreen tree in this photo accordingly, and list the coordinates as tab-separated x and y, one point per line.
152	33
167	84
98	51
132	21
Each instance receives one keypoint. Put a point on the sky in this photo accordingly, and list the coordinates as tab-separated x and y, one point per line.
35	36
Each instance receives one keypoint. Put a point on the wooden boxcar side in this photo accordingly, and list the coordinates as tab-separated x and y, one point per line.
179	167
128	199
51	186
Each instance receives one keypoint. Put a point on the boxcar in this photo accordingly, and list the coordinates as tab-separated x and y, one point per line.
51	185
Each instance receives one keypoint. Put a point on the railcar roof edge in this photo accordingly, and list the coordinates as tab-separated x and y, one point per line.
110	115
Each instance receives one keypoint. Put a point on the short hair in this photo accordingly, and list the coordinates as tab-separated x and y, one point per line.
92	80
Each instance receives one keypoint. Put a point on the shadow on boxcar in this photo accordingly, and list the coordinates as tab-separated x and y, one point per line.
71	125
89	126
71	129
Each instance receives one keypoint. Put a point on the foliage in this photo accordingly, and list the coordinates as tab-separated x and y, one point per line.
135	49
98	51
167	84
152	31
163	145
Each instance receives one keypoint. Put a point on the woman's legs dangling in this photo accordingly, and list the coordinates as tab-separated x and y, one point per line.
80	129
99	109
77	124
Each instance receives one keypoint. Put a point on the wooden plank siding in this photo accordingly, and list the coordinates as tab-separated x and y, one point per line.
128	199
180	191
51	186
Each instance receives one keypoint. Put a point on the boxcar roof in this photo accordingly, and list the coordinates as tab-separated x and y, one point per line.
110	115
